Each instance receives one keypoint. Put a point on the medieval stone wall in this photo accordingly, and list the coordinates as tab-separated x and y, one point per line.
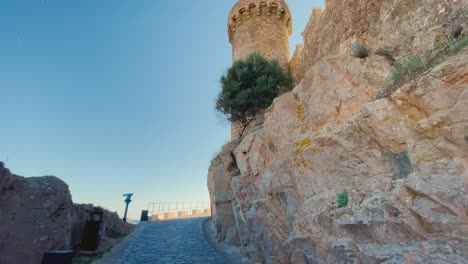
372	23
296	65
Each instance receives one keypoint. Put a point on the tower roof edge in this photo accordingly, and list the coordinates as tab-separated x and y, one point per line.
244	8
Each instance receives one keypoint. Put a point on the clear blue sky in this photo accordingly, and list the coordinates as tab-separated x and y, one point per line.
117	96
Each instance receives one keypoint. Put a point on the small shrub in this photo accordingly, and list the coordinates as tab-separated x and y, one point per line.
437	55
396	73
401	72
342	199
249	87
359	50
458	44
406	70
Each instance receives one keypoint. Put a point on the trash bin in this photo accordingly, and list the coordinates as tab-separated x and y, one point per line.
58	257
144	216
92	232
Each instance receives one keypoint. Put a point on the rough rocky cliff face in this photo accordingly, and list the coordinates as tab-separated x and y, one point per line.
403	160
35	217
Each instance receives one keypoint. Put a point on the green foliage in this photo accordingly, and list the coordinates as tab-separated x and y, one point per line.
342	199
410	68
437	55
401	72
359	50
458	44
249	87
406	69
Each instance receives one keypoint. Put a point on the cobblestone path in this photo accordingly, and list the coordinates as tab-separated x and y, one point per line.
172	241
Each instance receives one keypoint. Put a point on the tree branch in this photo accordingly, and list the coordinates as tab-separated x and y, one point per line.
246	124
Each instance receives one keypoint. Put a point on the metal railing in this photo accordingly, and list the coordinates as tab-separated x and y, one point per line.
178	209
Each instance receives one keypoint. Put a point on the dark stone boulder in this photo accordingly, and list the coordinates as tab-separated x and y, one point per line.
35	217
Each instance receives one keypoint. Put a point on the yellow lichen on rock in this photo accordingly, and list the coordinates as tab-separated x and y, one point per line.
301	113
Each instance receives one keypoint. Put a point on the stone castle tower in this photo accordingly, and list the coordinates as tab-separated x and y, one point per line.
261	26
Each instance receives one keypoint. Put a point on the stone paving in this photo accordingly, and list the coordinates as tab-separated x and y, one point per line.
172	241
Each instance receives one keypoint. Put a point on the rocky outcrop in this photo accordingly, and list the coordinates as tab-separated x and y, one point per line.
402	161
35	217
222	169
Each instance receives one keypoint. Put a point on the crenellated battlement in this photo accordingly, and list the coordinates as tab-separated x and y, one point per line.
246	9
